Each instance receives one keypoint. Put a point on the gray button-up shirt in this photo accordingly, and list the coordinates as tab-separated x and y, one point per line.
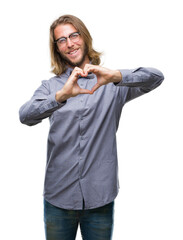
82	165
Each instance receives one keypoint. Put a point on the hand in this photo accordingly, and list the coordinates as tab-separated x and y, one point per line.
71	87
104	75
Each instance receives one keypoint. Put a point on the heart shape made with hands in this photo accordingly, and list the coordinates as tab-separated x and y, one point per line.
103	75
72	89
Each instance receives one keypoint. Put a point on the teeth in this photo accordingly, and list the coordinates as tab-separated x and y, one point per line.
73	52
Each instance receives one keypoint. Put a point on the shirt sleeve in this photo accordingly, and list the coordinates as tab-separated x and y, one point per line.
40	106
139	81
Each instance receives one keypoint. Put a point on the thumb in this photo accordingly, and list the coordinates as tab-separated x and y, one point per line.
95	87
85	91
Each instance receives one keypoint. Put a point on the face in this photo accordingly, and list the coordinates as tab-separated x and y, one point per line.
74	53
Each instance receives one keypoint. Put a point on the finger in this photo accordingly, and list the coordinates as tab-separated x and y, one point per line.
83	74
85	91
90	68
86	67
80	72
76	73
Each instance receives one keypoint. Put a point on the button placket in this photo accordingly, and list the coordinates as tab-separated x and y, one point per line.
82	83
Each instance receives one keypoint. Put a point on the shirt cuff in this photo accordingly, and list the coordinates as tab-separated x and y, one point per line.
125	77
53	101
51	104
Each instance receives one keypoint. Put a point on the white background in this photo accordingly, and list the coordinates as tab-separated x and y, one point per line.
131	34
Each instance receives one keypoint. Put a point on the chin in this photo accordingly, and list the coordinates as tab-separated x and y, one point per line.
76	63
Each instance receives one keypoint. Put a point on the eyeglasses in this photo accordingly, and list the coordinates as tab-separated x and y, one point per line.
74	37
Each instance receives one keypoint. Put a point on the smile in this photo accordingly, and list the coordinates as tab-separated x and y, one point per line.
73	52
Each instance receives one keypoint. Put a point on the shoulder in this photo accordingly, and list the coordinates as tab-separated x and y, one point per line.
55	79
55	83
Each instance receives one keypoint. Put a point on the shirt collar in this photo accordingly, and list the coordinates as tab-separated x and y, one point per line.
69	71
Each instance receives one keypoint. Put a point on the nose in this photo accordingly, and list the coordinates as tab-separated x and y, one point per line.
69	42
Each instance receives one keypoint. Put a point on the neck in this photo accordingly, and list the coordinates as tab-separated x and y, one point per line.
86	61
82	64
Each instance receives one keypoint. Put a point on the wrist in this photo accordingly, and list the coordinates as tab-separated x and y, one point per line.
117	76
60	96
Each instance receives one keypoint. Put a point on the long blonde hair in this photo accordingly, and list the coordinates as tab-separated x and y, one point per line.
57	63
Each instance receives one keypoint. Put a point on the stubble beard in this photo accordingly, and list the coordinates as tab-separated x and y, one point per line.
75	64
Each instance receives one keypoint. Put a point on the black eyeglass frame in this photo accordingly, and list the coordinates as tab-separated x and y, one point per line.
65	38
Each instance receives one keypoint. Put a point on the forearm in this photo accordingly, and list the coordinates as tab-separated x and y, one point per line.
38	108
139	81
116	76
61	96
146	78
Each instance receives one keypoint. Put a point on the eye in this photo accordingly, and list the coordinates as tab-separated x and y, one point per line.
61	40
74	36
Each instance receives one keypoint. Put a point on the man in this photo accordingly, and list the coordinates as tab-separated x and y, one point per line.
84	103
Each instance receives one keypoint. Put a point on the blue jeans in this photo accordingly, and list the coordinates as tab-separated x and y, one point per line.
62	224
